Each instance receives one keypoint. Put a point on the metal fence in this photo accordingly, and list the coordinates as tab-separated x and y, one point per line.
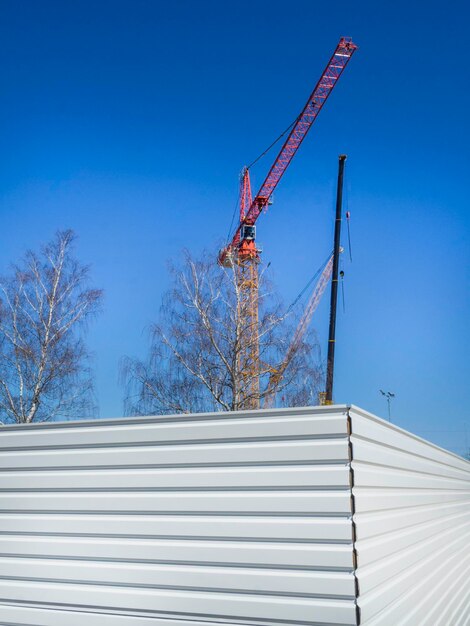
238	518
299	516
412	526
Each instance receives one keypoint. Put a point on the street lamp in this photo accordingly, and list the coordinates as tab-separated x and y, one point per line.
388	395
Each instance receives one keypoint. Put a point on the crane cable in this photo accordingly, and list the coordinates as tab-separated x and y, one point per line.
260	156
309	284
237	203
348	217
342	290
274	142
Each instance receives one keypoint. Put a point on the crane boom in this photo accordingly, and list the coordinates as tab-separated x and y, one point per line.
277	375
340	58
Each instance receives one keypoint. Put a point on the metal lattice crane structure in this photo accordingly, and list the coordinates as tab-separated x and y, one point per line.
277	375
242	251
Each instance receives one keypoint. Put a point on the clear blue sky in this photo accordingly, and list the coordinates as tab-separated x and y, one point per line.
129	122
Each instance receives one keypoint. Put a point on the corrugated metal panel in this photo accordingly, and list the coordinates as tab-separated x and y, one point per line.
412	527
231	519
222	519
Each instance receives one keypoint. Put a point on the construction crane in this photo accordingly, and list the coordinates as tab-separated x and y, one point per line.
277	375
242	252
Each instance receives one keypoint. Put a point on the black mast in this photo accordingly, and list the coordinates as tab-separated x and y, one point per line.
334	284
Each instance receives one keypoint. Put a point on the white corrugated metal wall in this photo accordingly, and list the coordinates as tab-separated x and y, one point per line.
412	526
227	519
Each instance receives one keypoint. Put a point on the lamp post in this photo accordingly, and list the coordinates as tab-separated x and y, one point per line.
388	396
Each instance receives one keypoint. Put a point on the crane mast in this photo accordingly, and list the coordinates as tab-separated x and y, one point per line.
246	268
242	252
334	283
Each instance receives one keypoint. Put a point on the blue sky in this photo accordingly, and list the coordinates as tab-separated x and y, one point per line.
130	121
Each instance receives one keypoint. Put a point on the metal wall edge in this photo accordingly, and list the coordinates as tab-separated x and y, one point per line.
412	520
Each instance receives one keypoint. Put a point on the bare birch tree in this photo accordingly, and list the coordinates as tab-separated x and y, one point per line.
44	305
197	348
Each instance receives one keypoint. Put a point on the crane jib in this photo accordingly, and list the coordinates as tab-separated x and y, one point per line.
338	61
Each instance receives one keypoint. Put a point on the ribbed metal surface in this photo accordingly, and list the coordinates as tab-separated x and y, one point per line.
412	526
232	519
225	519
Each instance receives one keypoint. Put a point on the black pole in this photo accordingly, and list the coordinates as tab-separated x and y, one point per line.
334	284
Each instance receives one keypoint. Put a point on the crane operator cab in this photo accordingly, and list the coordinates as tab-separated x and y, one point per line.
248	232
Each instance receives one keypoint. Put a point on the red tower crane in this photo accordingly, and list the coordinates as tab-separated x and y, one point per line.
242	252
